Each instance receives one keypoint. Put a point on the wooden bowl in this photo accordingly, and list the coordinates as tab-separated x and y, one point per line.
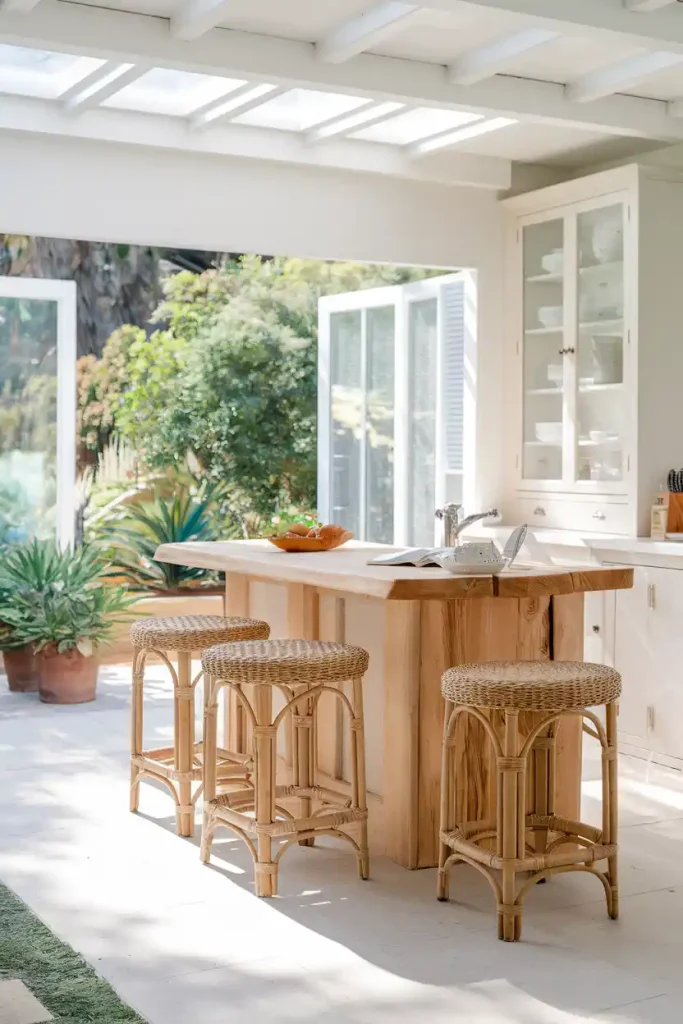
310	543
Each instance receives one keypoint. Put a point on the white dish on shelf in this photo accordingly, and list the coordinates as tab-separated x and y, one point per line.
553	262
677	537
599	436
550	316
549	433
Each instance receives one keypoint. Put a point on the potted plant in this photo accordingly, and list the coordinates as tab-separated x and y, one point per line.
65	623
29	569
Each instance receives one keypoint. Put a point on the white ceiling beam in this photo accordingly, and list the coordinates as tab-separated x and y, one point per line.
451	138
355	120
170	133
195	17
365	31
492	58
102	85
133	38
608	19
645	6
625	74
241	100
22	6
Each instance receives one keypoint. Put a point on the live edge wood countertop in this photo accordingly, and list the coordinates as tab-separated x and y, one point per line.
345	569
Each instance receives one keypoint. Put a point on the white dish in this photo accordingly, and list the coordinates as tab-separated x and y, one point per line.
678	537
553	262
550	316
598	435
549	433
457	568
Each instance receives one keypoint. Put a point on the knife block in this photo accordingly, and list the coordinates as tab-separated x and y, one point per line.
674	512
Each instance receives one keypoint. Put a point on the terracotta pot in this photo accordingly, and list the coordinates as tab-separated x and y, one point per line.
21	666
67	678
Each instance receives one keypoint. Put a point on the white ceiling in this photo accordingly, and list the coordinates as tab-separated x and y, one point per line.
574	81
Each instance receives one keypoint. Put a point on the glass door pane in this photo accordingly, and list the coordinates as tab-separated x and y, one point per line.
601	408
28	418
423	373
379	463
543	371
346	379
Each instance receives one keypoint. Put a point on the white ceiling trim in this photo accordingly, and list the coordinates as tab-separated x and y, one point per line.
152	131
625	74
495	57
366	116
239	101
102	85
645	6
132	38
196	17
365	31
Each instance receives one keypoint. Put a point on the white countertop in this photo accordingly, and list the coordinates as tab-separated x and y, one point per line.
546	545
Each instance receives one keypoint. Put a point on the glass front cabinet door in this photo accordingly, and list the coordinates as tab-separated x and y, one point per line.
573	348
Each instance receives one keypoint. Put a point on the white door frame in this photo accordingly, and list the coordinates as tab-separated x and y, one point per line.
64	293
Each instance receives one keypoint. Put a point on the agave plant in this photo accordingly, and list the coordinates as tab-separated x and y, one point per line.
64	619
35	568
133	537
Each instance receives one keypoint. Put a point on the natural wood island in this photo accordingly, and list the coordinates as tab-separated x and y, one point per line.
415	623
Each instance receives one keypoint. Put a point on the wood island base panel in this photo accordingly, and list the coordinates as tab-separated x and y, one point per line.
414	623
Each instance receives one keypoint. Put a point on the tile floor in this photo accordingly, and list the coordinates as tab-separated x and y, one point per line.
185	943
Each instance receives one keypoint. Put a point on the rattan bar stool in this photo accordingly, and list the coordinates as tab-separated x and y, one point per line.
539	843
177	767
302	670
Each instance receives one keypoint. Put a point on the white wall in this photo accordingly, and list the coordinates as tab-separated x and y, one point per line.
75	189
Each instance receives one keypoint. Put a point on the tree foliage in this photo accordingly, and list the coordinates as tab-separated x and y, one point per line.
228	380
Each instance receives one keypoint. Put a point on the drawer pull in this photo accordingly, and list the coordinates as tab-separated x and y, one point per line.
539	511
599	515
596	629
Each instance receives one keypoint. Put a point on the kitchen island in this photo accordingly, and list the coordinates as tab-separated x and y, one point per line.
414	623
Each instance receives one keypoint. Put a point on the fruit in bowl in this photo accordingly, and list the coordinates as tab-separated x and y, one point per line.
300	537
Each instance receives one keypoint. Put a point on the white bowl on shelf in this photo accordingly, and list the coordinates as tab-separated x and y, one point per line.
549	433
599	436
550	316
553	262
556	373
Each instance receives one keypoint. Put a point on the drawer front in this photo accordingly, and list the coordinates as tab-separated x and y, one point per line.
568	514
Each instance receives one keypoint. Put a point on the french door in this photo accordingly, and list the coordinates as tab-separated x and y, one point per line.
37	409
392	406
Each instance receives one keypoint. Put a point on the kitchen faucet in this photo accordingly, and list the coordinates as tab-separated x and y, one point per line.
453	523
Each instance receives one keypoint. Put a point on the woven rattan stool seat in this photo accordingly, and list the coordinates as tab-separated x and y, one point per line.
290	662
193	632
531	685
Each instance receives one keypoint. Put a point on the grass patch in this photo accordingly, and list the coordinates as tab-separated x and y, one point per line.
56	975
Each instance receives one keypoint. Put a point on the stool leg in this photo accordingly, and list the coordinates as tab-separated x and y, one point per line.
613	810
360	799
209	766
447	813
303	730
509	923
265	871
184	747
136	727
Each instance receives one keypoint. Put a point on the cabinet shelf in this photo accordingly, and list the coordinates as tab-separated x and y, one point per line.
543	444
544	391
613	442
588	388
609	328
545	279
544	330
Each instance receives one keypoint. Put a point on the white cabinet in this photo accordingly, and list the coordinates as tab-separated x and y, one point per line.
648	651
594	351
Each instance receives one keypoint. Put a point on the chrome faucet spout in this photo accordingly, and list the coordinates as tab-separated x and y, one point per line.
454	524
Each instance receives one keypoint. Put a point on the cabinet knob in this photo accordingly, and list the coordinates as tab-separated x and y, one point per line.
539	511
599	515
566	351
596	629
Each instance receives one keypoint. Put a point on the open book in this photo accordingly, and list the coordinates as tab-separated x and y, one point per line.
418	557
